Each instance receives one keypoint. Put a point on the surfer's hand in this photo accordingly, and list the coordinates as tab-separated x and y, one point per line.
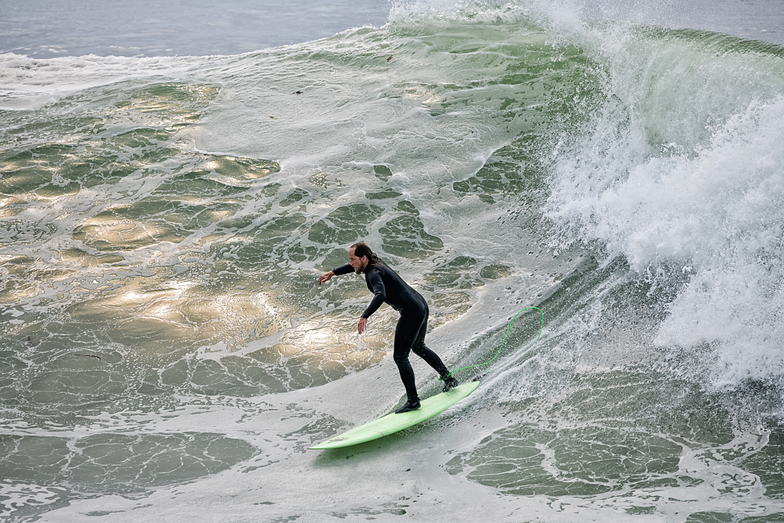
362	325
325	277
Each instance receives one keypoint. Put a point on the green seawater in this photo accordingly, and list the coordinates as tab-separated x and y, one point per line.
165	348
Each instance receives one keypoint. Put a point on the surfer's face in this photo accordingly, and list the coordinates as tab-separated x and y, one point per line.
358	264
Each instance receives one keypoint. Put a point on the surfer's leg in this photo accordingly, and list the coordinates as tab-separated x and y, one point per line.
421	350
430	357
403	339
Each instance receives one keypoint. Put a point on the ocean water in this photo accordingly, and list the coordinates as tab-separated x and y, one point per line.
167	202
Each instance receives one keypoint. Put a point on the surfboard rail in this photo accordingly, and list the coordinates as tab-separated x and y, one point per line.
391	423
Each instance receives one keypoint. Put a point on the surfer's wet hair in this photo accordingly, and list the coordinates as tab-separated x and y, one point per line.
361	250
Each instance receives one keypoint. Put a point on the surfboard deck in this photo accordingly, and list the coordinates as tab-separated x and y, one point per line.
391	423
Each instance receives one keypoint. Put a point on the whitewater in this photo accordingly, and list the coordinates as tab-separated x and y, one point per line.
171	187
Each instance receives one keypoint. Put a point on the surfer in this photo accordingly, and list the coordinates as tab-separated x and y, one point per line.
388	287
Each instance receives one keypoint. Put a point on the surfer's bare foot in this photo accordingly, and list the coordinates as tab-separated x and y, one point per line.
408	406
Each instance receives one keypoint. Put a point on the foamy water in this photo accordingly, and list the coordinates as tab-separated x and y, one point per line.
168	354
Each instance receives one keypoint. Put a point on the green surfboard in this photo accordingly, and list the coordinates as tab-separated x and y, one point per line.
392	423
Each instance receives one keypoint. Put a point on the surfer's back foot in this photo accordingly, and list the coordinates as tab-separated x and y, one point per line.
450	383
408	406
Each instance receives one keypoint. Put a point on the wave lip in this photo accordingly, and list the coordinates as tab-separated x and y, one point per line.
695	194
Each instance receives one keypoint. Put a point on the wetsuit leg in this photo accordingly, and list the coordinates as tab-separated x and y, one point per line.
421	350
410	335
405	334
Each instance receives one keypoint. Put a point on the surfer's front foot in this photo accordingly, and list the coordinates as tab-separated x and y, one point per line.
450	383
408	406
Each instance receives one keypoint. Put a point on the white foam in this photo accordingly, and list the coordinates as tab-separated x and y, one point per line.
693	185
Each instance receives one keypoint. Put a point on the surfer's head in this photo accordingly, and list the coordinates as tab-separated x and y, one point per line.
360	256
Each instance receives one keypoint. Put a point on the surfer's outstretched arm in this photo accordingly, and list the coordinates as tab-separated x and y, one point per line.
326	277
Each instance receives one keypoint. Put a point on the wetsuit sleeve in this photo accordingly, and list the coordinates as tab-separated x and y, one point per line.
343	269
375	284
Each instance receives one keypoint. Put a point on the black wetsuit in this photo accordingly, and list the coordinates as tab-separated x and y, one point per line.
388	287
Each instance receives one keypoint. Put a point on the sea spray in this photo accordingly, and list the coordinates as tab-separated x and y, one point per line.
683	179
